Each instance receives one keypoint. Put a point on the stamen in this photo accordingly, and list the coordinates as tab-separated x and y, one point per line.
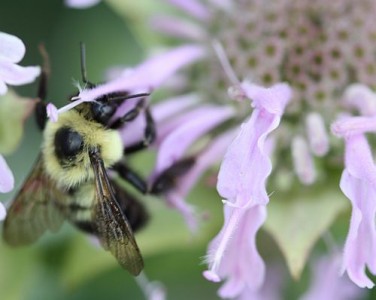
223	59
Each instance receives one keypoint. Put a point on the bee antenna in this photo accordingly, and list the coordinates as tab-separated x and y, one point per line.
83	62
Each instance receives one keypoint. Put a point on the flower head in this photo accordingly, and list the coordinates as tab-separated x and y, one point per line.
12	50
319	49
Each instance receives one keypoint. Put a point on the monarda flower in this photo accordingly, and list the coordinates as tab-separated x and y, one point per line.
12	50
323	51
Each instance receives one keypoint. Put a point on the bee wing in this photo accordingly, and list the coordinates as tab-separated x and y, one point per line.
34	210
113	229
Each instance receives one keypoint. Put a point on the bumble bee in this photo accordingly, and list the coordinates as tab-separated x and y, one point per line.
70	181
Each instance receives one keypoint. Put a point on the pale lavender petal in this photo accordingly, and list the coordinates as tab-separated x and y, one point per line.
148	75
358	183
176	27
273	99
303	161
327	284
81	3
316	133
173	106
52	112
6	177
193	7
17	75
134	131
348	126
272	289
3	88
233	254
12	48
360	97
167	127
236	179
176	201
208	157
3	211
175	144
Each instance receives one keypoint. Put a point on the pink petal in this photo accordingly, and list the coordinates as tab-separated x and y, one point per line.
52	112
3	88
273	99
3	212
193	7
211	155
176	27
16	75
233	254
81	3
150	74
360	97
134	131
236	178
358	184
175	144
303	161
327	284
6	177
12	49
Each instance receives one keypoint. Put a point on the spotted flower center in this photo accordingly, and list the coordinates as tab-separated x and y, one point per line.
319	47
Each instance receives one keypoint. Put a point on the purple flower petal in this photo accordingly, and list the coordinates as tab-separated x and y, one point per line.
52	112
358	183
303	161
326	284
236	179
208	157
233	254
192	7
6	177
16	75
81	3
148	75
317	135
176	27
360	97
12	48
162	111
3	211
175	144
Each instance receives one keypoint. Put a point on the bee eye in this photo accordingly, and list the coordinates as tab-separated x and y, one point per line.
67	143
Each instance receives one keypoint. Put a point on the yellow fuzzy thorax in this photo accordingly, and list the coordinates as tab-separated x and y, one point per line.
94	135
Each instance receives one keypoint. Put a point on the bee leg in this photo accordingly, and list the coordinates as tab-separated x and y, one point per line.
150	134
168	179
131	176
40	108
130	115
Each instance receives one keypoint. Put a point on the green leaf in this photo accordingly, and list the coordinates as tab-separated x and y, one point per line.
13	112
297	224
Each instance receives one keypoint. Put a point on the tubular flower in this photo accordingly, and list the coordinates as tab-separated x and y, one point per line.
358	183
12	50
325	284
233	254
324	52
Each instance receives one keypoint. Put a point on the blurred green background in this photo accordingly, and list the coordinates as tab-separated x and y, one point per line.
68	265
